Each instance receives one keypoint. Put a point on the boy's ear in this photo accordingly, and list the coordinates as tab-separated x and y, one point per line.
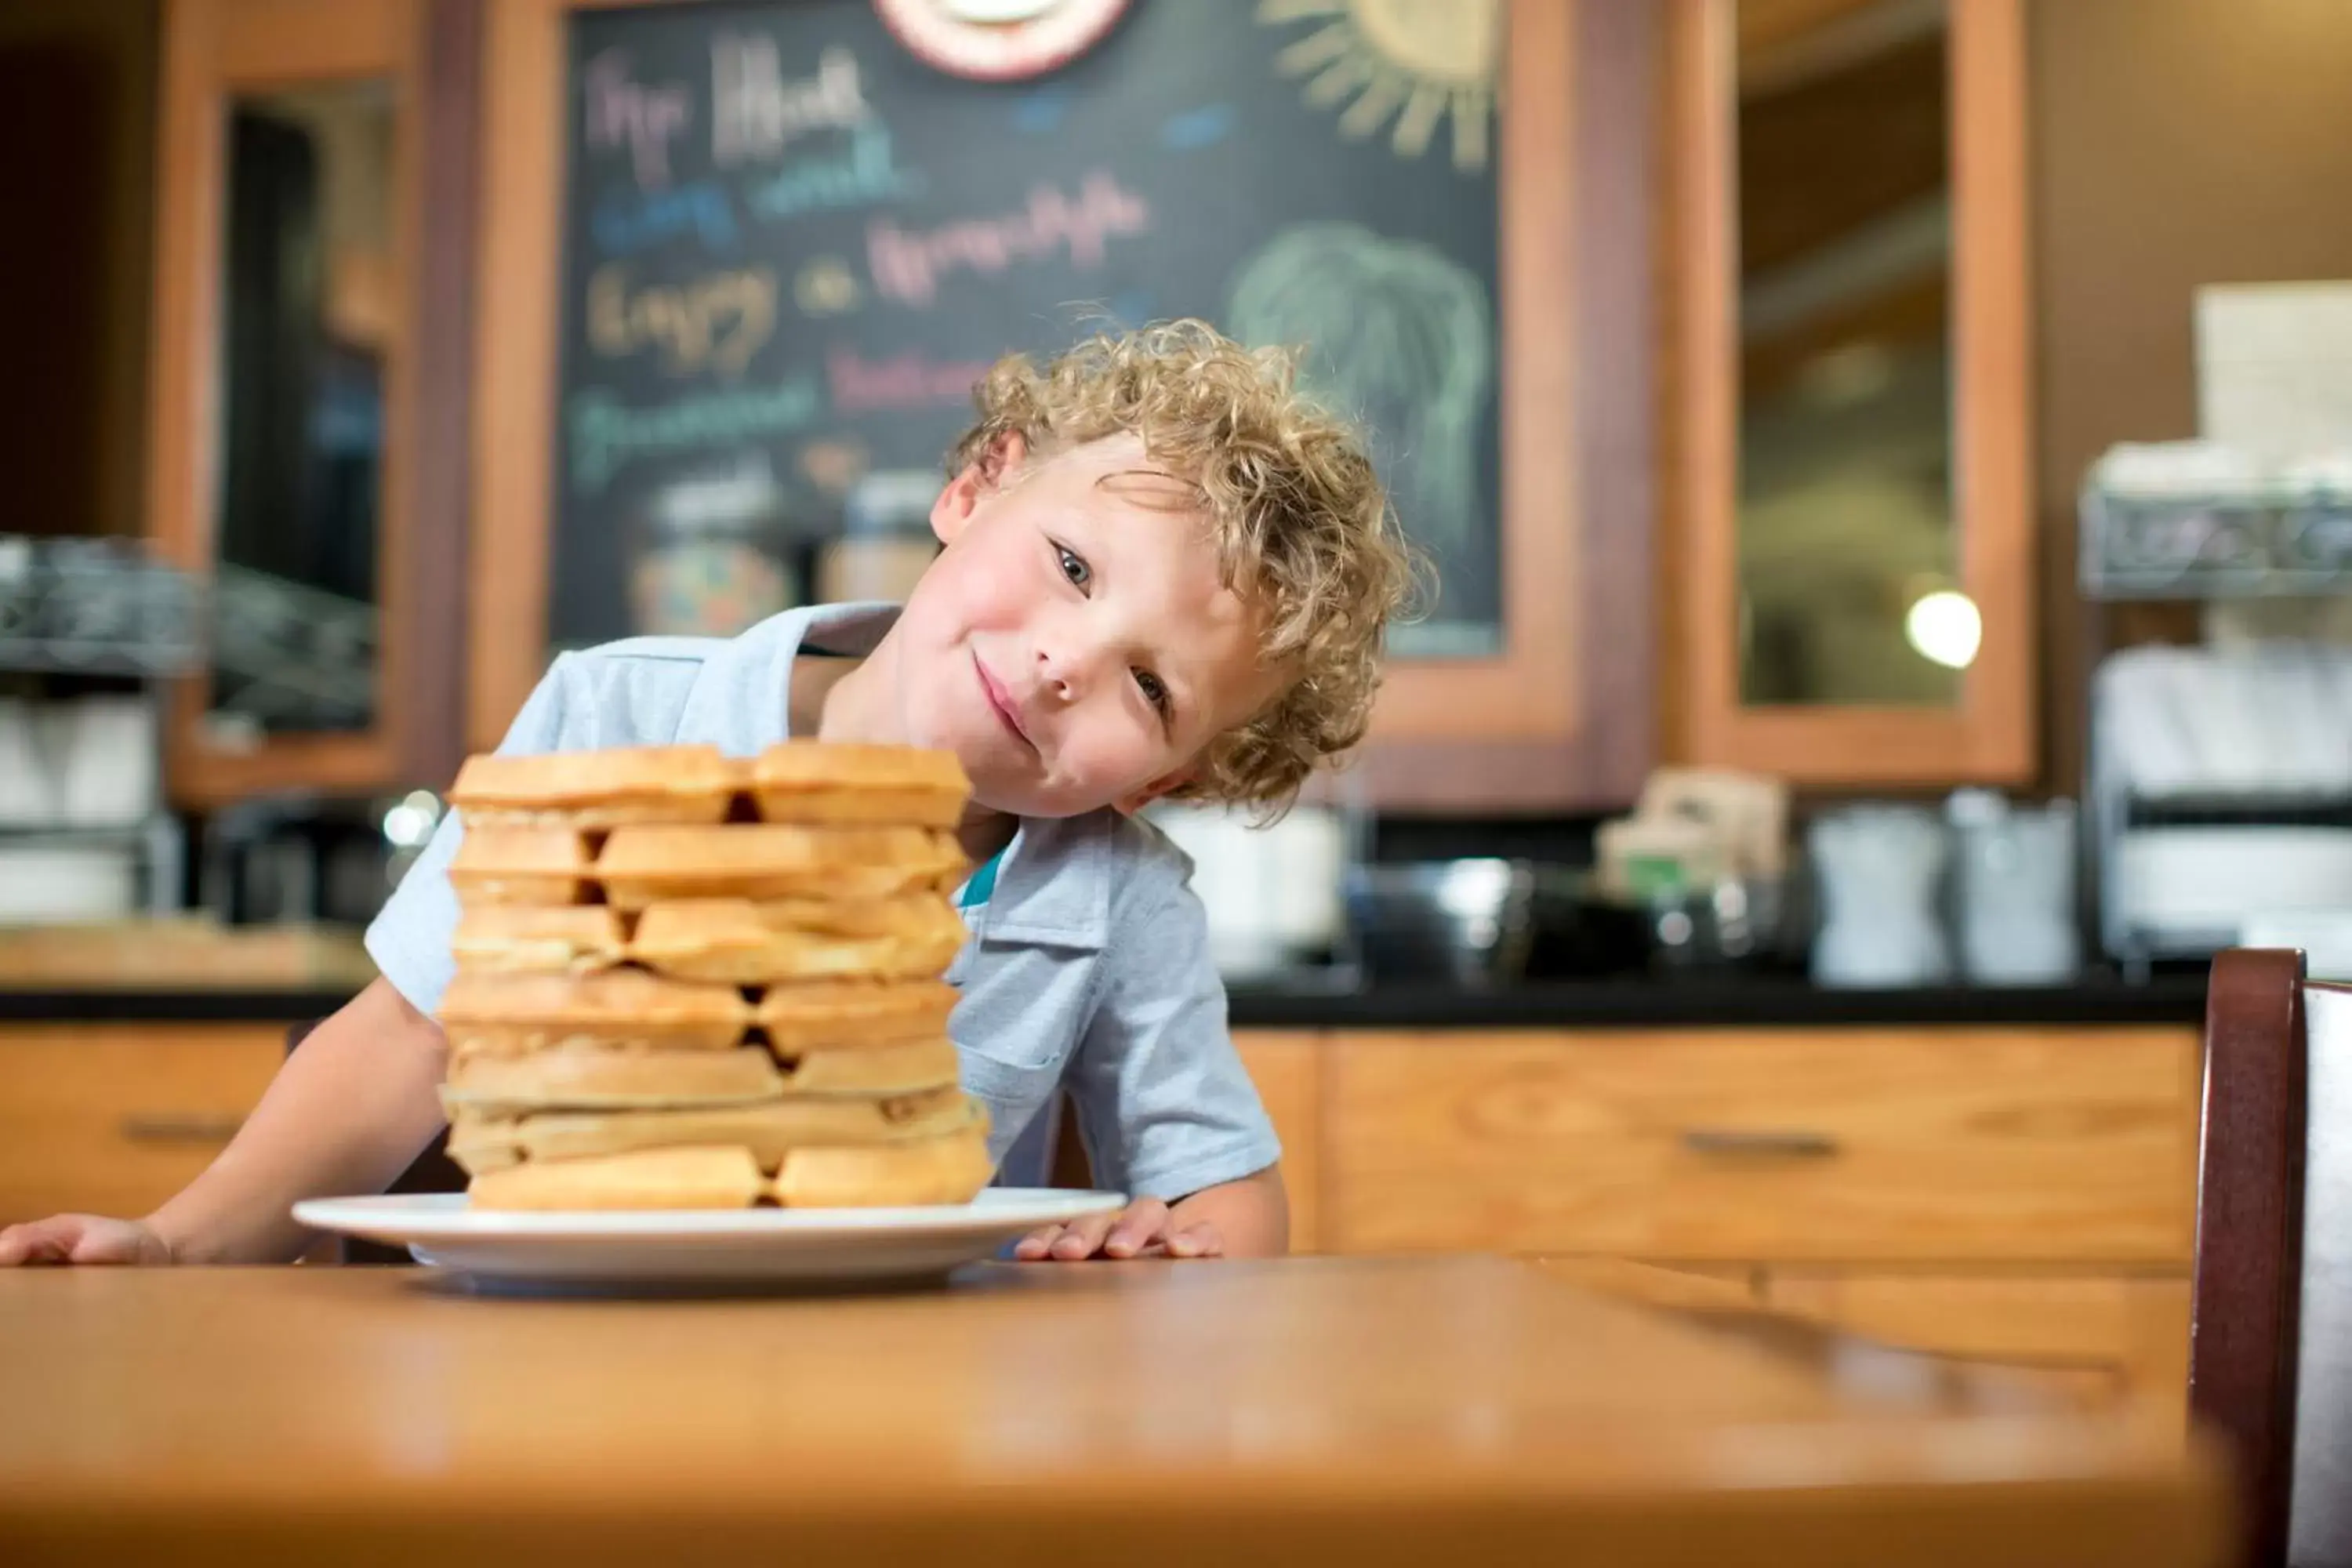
1166	784
964	492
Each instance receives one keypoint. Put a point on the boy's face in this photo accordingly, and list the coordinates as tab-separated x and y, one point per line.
1072	645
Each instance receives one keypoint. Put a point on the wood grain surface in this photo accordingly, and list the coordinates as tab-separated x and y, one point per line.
1950	1144
1323	1409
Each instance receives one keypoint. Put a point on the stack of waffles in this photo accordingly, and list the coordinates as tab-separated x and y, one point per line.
691	981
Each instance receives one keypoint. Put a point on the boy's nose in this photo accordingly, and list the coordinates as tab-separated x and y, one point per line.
1055	674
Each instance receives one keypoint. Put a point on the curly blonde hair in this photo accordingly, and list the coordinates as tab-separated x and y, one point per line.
1301	522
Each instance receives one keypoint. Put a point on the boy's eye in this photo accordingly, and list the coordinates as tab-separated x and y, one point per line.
1154	689
1077	571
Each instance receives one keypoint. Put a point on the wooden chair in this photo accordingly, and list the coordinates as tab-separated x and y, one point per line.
2271	1330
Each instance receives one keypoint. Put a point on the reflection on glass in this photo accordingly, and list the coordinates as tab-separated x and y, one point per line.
308	301
1849	588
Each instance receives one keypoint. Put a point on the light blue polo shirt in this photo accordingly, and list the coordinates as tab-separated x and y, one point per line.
1088	964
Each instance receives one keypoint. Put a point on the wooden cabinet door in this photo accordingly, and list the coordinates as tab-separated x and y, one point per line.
1850	541
115	1118
1858	1144
1286	1067
308	386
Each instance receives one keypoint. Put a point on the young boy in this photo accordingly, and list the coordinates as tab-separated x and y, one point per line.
1164	574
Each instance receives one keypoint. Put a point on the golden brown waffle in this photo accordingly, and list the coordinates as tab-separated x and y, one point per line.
588	1077
614	1007
811	782
641	866
695	1178
769	1131
748	943
502	864
531	939
598	789
840	1016
948	1169
905	1066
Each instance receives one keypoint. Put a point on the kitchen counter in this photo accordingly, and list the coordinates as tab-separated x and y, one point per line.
1636	1001
1753	1001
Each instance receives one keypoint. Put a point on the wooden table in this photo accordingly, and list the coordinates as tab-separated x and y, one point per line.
1310	1410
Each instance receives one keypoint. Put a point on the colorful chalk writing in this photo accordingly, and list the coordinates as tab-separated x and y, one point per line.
717	322
789	241
862	175
756	112
908	264
607	435
909	380
624	221
623	111
827	286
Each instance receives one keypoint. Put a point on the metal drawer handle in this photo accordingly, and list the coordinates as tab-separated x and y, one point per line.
184	1129
1768	1144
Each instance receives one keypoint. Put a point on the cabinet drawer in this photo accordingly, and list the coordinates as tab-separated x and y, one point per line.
1862	1145
115	1118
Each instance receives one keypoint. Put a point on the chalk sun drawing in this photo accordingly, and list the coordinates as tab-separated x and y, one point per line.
1423	62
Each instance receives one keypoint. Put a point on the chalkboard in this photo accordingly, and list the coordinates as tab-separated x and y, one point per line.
789	240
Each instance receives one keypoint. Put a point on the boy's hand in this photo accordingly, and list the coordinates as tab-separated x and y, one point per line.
1142	1229
81	1238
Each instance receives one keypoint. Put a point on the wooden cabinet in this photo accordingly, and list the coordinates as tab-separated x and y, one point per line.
307	399
1850	1145
1850	548
1289	1071
115	1118
2023	1194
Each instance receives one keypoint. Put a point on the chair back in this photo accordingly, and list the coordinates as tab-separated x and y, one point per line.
2270	1336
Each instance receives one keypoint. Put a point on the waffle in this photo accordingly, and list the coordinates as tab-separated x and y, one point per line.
688	983
836	1016
642	865
599	789
747	944
504	864
594	1077
691	1178
526	939
948	1169
510	1013
804	781
586	1075
481	1142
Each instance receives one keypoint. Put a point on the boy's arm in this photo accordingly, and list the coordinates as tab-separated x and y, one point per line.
348	1112
353	1106
1249	1219
1166	1106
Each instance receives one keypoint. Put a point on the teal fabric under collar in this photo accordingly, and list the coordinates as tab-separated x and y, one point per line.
980	884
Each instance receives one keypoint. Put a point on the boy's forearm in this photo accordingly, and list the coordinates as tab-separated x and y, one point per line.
1252	1216
347	1113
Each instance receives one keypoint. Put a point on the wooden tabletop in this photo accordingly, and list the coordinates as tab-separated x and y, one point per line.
1300	1412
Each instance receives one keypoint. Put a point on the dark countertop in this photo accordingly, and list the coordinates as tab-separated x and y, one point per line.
1636	1001
1757	1001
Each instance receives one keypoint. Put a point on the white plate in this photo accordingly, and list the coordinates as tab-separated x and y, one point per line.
700	1249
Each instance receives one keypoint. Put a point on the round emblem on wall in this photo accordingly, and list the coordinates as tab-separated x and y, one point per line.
999	40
